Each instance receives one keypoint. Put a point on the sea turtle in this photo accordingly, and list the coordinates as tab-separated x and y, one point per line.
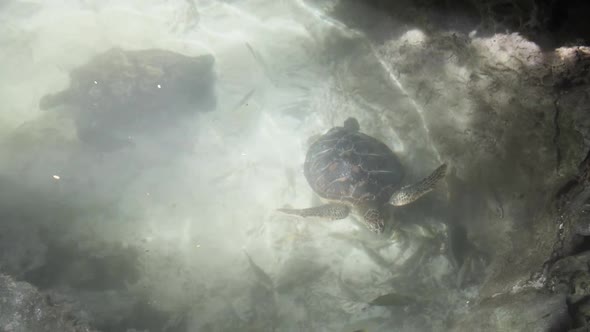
354	170
120	93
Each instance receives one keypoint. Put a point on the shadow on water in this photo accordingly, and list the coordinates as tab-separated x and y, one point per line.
69	265
82	273
144	316
550	24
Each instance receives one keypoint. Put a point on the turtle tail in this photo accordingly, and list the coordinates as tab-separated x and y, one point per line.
410	193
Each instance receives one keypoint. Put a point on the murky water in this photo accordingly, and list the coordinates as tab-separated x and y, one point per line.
146	196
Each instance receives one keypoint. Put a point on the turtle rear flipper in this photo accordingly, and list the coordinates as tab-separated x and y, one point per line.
326	211
410	193
53	100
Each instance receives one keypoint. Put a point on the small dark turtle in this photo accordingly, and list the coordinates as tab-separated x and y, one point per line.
120	93
352	169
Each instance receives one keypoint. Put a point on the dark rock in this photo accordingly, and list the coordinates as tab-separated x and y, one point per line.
24	309
120	94
522	311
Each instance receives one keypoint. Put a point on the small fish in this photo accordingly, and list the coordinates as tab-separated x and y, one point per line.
394	299
261	275
255	54
261	62
371	253
244	100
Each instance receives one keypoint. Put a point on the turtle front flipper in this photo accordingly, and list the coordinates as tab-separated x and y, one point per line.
328	211
409	194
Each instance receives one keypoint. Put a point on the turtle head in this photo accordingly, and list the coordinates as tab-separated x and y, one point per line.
351	124
374	220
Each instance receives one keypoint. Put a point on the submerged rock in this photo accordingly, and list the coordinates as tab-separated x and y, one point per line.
120	94
23	309
523	311
506	108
